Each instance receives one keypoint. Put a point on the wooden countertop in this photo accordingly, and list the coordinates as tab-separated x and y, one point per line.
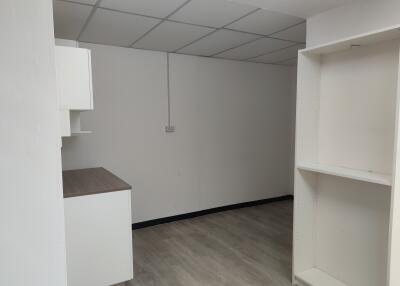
91	181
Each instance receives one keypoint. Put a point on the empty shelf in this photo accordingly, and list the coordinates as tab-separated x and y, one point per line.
359	175
76	133
316	277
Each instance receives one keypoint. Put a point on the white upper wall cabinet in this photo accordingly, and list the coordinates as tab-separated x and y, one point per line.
74	78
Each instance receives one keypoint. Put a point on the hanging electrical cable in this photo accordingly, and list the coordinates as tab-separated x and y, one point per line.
169	127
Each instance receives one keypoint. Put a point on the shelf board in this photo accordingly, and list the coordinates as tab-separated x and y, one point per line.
381	179
316	277
365	39
76	133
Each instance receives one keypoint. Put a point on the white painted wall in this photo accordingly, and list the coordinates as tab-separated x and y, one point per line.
233	130
32	240
349	20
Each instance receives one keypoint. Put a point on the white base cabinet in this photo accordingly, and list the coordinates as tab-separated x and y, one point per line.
99	239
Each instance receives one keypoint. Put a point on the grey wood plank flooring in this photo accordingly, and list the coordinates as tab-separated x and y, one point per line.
249	246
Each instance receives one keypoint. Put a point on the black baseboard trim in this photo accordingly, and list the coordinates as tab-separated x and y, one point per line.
163	220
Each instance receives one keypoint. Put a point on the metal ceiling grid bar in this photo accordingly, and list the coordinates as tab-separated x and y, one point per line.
187	23
147	16
162	21
271	52
263	36
130	13
255	34
145	34
291	26
88	19
260	37
167	18
198	39
275	38
74	2
198	25
236	60
218	29
281	62
238	46
240	18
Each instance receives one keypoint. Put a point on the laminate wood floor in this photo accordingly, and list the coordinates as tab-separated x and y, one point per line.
249	246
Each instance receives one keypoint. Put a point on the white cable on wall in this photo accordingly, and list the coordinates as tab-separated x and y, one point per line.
169	127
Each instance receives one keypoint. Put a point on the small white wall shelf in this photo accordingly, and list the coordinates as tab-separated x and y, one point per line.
77	133
347	202
74	87
75	123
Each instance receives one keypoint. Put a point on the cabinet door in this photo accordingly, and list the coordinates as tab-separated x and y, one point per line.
74	78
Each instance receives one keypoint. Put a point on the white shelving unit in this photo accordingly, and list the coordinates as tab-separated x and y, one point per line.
347	202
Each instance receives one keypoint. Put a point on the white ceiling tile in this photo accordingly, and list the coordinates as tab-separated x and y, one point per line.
217	42
90	2
295	33
114	28
254	49
69	19
170	36
155	8
214	13
265	22
278	56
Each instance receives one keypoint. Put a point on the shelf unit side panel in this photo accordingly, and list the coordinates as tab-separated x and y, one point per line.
91	104
352	230
357	108
394	228
305	203
307	110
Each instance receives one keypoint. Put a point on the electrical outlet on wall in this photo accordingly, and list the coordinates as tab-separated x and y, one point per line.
169	129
